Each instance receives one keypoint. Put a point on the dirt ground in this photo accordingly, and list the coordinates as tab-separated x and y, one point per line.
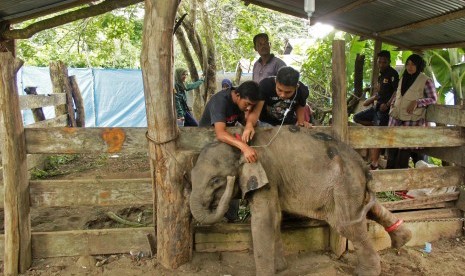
446	258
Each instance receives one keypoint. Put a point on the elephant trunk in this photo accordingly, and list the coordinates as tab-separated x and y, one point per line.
202	214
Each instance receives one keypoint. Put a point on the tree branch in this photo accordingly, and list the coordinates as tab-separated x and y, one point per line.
62	19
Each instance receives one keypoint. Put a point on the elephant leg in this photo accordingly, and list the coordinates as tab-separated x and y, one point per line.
368	258
266	221
398	232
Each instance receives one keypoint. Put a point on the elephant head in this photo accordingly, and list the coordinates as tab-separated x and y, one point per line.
216	178
211	188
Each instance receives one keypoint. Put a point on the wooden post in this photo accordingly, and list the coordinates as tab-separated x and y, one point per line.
77	97
17	256
340	127
38	113
375	70
59	76
173	219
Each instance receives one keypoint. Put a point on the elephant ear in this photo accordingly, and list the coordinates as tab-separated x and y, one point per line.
252	177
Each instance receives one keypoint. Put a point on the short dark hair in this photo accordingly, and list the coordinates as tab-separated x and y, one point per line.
385	53
288	76
249	90
260	35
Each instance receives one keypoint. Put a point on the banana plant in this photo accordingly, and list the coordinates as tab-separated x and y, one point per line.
448	67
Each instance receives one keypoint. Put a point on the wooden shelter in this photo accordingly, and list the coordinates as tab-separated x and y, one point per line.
408	25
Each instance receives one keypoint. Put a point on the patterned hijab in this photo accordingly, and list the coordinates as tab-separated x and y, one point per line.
178	76
407	79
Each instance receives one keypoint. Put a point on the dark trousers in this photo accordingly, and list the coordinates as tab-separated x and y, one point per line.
189	120
398	158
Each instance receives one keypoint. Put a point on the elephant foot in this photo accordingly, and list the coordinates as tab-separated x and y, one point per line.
371	266
399	234
281	264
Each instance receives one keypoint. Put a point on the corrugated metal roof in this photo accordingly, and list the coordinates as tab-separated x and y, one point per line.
413	24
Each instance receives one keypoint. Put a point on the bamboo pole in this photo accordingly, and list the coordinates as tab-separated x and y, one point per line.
16	194
172	216
340	126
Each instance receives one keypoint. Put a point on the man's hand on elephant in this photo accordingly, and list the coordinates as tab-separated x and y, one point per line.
250	154
248	133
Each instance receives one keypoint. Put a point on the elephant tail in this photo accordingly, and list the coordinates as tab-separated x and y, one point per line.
371	197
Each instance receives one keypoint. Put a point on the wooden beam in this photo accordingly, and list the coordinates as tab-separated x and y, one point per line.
78	101
89	242
60	81
419	202
446	114
401	137
62	19
60	121
36	101
424	23
133	140
407	179
37	112
91	192
374	66
16	188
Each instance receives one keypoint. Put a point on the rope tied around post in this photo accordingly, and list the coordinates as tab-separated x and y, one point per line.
153	140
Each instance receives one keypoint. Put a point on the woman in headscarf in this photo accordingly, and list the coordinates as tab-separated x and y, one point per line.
184	117
408	108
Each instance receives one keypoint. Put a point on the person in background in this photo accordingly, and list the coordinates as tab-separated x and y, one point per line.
183	114
267	65
378	113
283	101
408	108
225	84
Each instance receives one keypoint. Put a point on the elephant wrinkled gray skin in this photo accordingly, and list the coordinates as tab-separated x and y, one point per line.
309	174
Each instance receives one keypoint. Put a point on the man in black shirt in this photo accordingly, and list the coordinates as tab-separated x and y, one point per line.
378	114
226	108
283	102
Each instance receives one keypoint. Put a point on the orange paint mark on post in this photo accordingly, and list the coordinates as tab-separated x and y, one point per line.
114	138
105	195
70	130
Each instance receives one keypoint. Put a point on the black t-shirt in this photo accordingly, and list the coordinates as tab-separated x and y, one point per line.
274	108
388	81
221	108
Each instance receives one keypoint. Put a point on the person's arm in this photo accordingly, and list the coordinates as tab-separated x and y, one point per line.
300	114
370	100
222	135
251	121
430	97
179	109
194	85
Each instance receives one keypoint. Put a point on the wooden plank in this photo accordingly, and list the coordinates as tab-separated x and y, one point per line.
78	101
60	121
446	114
93	192
133	140
37	112
407	179
239	238
437	205
60	81
398	137
419	202
36	101
453	155
14	160
89	242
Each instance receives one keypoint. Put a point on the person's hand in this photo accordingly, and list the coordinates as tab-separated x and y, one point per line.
411	107
250	154
383	107
305	124
248	134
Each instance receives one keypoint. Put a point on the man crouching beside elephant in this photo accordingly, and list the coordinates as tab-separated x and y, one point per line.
304	172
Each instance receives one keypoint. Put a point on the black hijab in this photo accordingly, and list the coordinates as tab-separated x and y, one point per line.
407	79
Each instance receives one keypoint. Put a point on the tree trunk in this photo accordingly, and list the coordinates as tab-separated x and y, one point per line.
17	255
79	101
59	76
210	71
172	217
358	84
375	68
197	105
237	80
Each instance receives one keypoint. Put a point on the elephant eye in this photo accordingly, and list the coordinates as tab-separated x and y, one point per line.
215	181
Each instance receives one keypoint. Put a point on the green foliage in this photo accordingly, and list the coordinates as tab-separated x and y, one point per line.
52	166
110	40
388	196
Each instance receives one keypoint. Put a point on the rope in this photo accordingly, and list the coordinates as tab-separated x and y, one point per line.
151	139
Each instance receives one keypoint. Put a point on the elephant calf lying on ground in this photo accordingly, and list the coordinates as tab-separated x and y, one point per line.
304	172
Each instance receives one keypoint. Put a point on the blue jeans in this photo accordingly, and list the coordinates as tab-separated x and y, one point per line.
189	120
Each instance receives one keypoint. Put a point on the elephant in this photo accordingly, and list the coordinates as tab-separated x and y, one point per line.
305	172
